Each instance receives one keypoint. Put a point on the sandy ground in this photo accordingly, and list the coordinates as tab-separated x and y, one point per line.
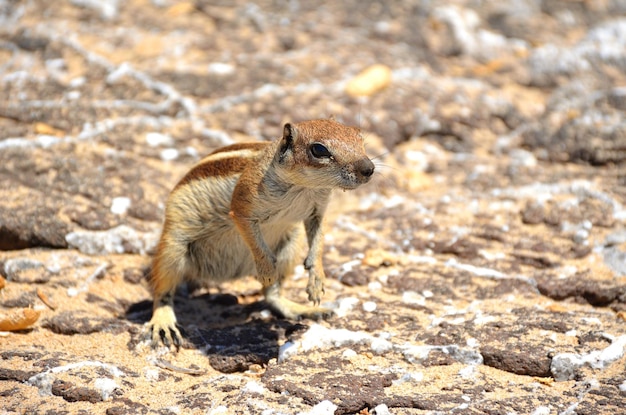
480	272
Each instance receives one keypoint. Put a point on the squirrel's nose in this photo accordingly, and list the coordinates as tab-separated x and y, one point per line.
365	167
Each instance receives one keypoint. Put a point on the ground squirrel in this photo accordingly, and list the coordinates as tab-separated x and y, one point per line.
237	213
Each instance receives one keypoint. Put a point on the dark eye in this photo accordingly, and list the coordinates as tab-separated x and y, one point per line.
320	151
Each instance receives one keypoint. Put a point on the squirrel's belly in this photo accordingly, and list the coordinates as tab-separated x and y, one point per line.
220	259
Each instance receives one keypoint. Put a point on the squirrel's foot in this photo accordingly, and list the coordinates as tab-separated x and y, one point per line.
292	310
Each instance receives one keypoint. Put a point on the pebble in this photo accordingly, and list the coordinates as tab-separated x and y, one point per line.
221	409
169	154
221	68
322	408
105	386
120	205
380	346
157	139
411	377
108	9
345	305
369	306
411	297
253	387
348	354
467	372
381	409
13	267
542	410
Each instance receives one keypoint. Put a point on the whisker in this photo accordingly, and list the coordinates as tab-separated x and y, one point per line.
381	155
379	165
383	183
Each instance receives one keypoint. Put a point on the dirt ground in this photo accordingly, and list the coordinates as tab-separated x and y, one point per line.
482	271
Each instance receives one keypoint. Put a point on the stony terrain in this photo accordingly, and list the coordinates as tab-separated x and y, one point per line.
482	271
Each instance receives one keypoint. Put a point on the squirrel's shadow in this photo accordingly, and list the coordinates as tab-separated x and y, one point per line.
233	335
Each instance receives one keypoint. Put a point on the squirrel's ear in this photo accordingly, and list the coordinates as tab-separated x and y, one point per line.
289	133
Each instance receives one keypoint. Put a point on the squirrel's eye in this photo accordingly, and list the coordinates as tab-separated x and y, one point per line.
320	151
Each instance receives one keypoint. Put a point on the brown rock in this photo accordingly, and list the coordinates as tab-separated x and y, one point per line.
73	393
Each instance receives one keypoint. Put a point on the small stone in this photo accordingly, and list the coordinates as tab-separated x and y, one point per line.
253	387
565	365
220	68
169	154
120	205
381	409
72	393
108	9
157	139
105	386
521	362
369	306
542	410
25	270
354	279
322	408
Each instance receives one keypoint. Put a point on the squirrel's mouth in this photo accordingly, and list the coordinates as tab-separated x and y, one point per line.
352	182
350	186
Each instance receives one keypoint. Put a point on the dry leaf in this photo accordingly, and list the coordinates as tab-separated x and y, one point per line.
46	129
371	80
18	319
181	9
44	298
379	257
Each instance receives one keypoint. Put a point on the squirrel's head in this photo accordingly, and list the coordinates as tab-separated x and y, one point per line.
324	154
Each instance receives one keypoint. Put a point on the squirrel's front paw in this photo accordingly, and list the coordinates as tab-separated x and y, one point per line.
162	328
315	290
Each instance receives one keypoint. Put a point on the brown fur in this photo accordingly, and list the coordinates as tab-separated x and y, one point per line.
213	168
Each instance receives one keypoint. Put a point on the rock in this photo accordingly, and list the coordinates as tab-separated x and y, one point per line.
565	366
25	270
37	224
73	393
70	323
121	239
597	293
462	35
615	259
601	45
517	361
